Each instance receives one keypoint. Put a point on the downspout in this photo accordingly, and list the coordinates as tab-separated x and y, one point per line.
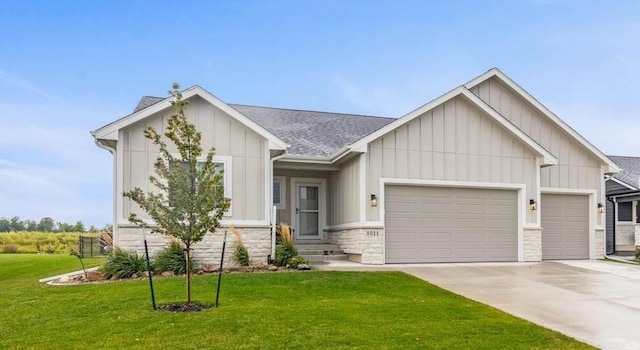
614	224
273	210
111	150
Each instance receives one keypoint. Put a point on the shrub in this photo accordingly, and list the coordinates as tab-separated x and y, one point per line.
240	253
284	252
297	260
123	264
637	253
10	248
285	249
172	258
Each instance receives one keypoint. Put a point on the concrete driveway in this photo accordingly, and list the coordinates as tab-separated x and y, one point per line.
597	302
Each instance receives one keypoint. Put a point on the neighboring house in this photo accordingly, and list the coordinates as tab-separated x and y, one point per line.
484	172
623	211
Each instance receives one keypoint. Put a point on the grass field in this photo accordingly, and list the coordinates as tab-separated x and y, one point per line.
40	242
310	310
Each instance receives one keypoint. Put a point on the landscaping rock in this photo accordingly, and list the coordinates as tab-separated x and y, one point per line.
64	279
209	268
167	274
93	276
273	268
304	267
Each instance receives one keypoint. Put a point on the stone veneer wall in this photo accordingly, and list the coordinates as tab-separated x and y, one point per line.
367	242
637	242
625	234
532	244
599	248
209	250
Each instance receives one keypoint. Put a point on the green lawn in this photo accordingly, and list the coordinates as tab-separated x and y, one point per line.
311	310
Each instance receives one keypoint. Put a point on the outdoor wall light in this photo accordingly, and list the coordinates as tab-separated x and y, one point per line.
532	204
600	208
374	200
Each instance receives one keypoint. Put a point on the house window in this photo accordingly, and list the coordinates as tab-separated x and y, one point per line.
279	197
223	164
625	211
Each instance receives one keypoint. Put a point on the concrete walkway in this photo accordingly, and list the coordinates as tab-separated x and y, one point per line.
597	302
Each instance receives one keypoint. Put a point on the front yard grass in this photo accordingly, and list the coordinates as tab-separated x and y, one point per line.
310	310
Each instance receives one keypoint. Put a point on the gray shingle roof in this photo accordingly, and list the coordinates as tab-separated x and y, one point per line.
312	133
630	173
147	101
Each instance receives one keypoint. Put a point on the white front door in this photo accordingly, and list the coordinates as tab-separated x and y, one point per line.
308	214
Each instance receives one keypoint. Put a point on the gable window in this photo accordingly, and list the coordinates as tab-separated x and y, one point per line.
625	211
279	197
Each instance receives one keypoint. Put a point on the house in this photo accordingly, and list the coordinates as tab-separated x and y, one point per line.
623	211
484	172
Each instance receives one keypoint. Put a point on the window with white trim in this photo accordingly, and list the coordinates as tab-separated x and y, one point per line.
221	163
625	211
279	197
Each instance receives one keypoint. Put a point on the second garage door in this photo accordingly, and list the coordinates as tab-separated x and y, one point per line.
443	224
565	226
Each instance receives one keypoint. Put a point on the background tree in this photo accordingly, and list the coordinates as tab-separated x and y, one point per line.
46	225
190	200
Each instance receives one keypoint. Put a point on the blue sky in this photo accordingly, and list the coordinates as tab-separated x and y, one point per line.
69	67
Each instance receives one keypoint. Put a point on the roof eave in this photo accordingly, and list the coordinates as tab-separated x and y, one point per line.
110	131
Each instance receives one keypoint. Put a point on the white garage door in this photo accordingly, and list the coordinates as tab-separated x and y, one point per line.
565	226
442	224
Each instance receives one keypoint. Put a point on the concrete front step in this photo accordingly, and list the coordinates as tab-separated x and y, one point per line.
318	258
321	252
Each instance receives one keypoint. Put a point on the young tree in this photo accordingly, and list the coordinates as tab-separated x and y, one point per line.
190	199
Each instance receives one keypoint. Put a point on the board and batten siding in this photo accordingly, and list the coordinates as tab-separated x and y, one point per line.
344	194
454	142
577	167
229	137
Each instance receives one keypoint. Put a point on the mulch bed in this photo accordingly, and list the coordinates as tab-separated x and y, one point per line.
183	307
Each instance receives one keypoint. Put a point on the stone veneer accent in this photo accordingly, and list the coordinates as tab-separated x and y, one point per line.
368	242
599	244
626	233
209	250
637	242
532	244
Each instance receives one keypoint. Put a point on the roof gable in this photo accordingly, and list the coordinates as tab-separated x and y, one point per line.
548	158
110	131
497	74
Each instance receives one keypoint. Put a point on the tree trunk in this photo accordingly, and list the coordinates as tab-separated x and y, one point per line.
188	258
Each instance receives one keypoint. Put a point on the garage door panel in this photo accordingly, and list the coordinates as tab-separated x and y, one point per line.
565	226
455	224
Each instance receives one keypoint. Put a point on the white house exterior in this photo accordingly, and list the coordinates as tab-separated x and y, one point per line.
484	172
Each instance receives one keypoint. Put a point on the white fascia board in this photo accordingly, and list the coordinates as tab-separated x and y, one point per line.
495	72
621	183
110	130
549	159
361	145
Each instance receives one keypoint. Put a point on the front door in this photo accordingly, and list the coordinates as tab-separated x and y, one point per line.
308	214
